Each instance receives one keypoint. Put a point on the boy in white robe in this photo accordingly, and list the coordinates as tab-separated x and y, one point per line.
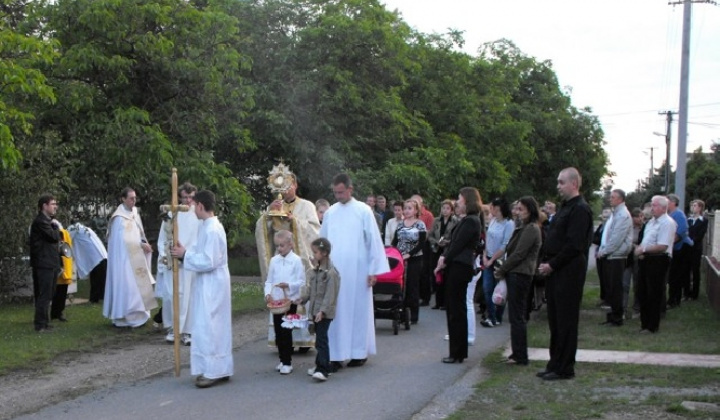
211	355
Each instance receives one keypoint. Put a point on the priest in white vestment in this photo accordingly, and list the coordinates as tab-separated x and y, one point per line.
129	293
358	254
303	222
211	352
188	224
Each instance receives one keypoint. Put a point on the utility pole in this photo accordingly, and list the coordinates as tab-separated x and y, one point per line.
669	119
681	165
652	164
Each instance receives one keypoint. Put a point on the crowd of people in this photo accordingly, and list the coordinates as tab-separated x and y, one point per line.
321	260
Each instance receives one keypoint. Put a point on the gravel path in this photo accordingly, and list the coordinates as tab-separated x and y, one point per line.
73	375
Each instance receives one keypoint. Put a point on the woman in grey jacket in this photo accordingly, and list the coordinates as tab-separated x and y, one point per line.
518	270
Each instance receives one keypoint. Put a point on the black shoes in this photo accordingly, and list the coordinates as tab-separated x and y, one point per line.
203	382
452	360
612	323
335	366
356	362
60	318
546	375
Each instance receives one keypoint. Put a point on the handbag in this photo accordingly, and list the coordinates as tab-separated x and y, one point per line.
439	278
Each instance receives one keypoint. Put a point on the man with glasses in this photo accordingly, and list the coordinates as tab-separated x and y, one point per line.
129	294
188	224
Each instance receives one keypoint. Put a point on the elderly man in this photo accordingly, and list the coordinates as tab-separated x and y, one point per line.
565	263
654	254
615	245
679	275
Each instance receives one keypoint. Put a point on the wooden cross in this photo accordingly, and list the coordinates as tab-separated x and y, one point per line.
174	208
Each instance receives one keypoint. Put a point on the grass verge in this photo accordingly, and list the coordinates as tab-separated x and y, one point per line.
22	348
607	391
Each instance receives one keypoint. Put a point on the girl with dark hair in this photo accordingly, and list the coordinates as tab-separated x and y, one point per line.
518	270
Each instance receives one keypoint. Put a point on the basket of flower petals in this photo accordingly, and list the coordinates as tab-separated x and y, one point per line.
291	321
279	306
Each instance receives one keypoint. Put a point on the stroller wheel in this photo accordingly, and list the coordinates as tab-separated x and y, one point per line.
406	315
395	327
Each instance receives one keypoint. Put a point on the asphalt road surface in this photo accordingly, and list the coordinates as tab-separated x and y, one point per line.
397	383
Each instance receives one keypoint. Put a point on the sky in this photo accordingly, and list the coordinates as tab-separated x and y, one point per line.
621	58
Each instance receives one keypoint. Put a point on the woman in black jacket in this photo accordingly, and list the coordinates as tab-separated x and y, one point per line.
457	260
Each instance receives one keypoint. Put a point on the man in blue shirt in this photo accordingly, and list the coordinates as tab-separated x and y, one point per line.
679	275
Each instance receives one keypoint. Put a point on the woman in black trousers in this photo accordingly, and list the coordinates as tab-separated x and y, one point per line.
518	270
457	260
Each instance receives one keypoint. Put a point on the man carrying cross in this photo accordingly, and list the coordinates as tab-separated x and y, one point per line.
211	352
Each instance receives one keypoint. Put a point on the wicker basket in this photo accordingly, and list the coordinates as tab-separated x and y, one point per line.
280	309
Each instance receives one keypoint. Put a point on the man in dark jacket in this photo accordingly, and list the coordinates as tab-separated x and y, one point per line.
44	258
565	263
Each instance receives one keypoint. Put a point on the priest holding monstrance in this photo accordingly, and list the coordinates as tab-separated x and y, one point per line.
292	213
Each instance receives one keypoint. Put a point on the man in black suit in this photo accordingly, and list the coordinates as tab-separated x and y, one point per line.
44	259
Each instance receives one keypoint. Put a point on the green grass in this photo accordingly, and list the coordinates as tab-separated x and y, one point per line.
22	348
244	266
603	390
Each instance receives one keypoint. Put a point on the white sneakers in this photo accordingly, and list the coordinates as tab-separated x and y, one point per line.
311	371
286	369
185	339
279	366
318	376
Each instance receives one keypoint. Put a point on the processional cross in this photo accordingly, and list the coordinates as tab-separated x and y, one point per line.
174	208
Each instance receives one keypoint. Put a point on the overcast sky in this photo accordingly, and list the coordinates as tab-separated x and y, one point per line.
620	57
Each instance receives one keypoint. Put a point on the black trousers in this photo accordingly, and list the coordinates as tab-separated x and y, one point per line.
679	276
601	277
457	277
426	274
283	337
613	271
563	290
651	284
97	282
693	290
43	290
58	301
519	286
413	273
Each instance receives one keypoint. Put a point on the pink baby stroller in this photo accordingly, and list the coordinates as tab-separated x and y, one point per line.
389	292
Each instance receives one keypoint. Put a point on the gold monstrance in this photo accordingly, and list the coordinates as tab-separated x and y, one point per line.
279	181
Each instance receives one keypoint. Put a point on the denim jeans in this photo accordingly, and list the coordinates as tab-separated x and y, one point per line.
322	346
494	313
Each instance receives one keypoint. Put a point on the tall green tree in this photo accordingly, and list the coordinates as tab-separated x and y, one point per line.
148	85
21	51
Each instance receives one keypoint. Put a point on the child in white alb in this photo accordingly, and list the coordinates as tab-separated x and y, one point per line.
321	295
286	276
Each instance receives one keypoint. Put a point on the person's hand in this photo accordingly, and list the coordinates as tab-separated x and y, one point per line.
639	251
268	298
405	256
544	269
440	264
318	316
276	205
282	285
146	247
486	261
371	281
178	251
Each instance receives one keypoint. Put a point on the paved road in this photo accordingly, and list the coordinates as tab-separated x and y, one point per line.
397	383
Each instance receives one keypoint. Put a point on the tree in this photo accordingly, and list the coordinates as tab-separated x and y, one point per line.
703	177
145	86
21	50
